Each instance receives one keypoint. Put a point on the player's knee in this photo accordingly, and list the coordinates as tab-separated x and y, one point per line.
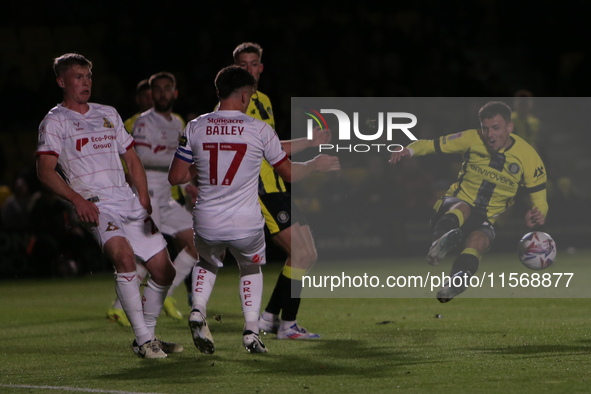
124	262
464	208
165	276
161	269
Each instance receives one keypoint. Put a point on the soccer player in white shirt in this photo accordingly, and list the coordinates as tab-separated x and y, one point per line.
156	133
224	151
86	140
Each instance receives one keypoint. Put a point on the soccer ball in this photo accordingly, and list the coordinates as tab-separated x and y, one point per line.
537	250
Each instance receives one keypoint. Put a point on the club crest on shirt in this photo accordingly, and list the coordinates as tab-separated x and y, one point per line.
514	168
108	124
283	217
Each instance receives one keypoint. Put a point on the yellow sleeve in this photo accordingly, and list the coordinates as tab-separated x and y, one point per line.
452	143
422	147
539	201
535	177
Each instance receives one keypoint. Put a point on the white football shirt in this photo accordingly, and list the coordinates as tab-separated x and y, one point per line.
156	140
228	147
88	148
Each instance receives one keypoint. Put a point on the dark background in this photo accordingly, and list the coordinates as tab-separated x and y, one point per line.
485	48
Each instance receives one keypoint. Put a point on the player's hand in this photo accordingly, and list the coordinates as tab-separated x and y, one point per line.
146	203
87	211
397	156
326	163
191	190
320	136
534	217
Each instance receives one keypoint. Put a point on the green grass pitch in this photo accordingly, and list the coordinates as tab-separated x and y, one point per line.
54	333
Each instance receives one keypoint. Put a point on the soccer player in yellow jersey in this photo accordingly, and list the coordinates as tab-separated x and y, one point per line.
496	163
287	226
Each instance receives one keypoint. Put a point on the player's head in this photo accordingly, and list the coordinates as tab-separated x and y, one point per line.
143	95
73	74
496	125
235	83
163	87
248	55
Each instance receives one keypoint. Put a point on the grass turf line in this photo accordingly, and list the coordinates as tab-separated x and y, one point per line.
54	333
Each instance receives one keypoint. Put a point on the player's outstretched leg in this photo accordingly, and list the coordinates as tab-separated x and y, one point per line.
440	247
465	265
184	263
454	285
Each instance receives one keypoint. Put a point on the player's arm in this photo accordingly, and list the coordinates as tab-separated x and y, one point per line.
319	136
294	171
453	143
535	184
87	211
537	215
138	177
181	171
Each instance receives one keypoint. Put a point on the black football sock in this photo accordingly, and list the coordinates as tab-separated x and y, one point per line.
275	302
468	260
451	220
291	293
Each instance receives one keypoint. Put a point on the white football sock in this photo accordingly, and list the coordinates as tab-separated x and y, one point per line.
203	282
154	296
251	294
141	274
183	264
285	324
131	301
269	316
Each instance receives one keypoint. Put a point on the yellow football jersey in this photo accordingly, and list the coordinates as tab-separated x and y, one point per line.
490	181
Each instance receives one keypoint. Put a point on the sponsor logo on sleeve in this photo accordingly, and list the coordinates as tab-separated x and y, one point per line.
454	136
539	172
183	141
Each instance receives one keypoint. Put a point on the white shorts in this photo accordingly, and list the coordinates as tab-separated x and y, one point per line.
135	225
247	251
170	216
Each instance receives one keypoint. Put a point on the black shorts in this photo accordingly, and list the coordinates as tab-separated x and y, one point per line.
477	221
279	213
